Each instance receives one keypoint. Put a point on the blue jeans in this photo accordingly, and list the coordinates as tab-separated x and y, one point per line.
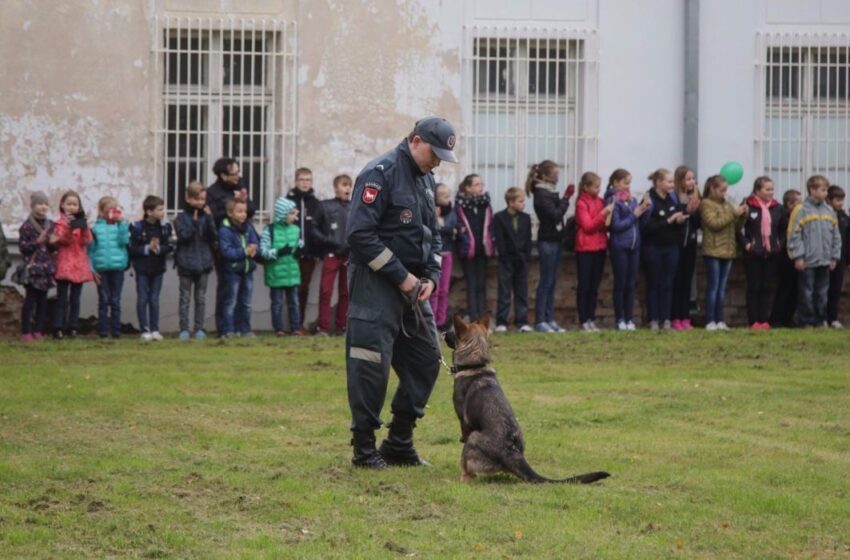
624	262
813	288
550	261
147	301
291	295
67	318
660	264
716	276
109	300
238	289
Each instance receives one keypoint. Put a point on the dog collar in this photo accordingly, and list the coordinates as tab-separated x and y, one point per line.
459	371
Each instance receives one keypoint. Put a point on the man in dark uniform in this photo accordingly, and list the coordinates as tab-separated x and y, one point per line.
395	254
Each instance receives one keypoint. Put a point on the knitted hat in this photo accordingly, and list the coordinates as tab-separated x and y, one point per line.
282	207
37	198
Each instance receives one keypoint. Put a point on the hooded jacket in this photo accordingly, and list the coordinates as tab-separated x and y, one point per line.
195	242
108	250
232	242
72	261
591	230
752	229
720	225
813	233
475	216
550	209
141	234
281	270
655	229
329	227
625	226
308	206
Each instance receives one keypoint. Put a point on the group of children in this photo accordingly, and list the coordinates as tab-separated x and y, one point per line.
213	232
794	252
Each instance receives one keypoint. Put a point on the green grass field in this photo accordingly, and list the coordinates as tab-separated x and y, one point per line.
720	445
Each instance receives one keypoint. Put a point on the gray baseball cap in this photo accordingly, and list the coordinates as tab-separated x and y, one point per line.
440	134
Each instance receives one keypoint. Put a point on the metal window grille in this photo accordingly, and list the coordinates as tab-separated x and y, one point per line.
530	95
803	118
226	88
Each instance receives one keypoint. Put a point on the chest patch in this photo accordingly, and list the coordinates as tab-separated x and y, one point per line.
754	215
662	213
334	226
406	216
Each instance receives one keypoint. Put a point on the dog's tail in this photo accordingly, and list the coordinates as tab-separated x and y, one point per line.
520	467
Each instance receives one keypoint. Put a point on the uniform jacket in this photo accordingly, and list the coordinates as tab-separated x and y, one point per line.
308	207
752	229
813	233
392	227
625	226
720	225
195	242
591	230
141	234
72	261
232	242
40	257
512	244
108	250
281	271
329	227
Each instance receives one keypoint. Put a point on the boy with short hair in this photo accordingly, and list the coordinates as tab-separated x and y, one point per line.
149	245
279	247
512	231
196	234
814	244
307	203
238	244
785	300
835	196
329	233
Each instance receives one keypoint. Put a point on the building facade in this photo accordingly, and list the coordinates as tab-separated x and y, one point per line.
130	98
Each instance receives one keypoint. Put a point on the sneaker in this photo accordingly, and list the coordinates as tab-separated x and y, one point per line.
594	327
622	326
146	336
321	332
526	329
37	336
26	337
836	325
586	327
765	326
556	327
58	334
543	327
72	333
280	333
667	325
653	325
721	326
200	334
156	336
299	332
631	326
249	334
677	325
712	326
184	335
501	329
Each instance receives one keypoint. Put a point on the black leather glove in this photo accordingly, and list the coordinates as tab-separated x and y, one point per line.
284	251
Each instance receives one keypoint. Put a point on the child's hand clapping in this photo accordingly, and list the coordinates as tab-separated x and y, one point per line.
251	250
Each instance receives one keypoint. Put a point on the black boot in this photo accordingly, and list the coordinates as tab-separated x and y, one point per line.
365	454
397	450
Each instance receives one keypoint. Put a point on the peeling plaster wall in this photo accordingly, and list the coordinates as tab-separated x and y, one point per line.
75	102
367	71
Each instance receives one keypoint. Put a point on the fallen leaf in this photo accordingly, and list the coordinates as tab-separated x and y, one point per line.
518	534
680	543
479	547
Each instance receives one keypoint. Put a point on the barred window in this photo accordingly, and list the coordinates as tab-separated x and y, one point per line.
528	101
803	121
227	89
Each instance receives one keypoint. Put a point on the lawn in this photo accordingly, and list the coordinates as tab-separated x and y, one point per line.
720	445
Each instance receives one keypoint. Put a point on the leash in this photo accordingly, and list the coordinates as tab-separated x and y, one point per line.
412	300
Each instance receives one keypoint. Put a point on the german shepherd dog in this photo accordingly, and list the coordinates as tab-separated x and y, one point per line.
489	429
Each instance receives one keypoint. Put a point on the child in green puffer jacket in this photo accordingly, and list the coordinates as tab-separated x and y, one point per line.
109	259
279	247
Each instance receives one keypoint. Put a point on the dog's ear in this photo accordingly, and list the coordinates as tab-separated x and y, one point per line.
449	337
484	320
460	326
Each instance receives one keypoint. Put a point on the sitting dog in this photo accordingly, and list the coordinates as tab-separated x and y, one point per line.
489	429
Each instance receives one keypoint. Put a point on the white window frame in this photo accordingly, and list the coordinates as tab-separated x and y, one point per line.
790	156
276	94
483	142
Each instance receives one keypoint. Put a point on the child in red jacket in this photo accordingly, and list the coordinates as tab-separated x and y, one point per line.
591	245
71	235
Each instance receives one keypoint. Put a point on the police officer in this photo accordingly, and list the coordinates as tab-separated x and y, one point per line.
395	254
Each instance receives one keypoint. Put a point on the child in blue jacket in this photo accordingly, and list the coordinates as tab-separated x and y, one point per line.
238	244
109	259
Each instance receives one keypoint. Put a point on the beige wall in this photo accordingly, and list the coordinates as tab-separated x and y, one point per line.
76	106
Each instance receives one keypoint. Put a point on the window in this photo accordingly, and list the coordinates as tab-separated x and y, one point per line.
227	89
803	126
526	101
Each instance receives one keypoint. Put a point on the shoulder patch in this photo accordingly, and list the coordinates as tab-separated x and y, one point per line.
370	192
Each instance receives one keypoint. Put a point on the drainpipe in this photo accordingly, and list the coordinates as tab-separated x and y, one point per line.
690	144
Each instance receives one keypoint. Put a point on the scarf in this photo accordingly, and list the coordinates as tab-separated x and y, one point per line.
765	224
473	202
624	196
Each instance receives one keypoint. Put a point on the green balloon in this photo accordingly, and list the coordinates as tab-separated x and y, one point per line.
732	171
